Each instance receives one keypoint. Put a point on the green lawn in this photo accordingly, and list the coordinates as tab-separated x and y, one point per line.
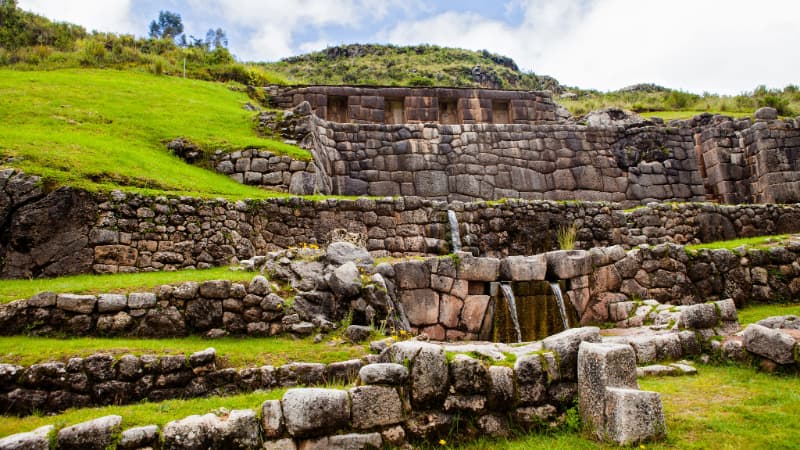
235	351
122	282
757	242
688	114
140	414
754	313
108	129
726	407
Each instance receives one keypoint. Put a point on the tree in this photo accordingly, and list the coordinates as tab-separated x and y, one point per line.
216	38
168	26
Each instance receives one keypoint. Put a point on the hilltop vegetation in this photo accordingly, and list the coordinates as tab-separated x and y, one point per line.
420	65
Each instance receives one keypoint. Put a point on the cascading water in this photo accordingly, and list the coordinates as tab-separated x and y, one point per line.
560	301
508	293
455	236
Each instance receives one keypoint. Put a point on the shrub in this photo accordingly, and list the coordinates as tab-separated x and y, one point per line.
777	102
566	236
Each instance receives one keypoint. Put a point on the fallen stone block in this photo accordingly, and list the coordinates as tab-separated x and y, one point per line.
769	343
633	416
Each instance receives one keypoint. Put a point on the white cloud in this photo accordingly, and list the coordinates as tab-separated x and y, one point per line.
100	15
274	23
695	45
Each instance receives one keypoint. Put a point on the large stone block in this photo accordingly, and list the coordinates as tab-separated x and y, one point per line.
523	268
81	304
431	183
375	406
565	344
421	306
699	316
474	312
601	366
477	268
383	373
769	343
37	439
314	411
566	264
96	434
633	416
412	275
429	374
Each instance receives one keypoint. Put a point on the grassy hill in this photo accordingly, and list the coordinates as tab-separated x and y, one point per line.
421	65
108	129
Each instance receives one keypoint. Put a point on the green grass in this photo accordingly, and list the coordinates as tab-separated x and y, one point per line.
122	282
233	351
145	413
108	129
754	313
727	407
757	242
688	114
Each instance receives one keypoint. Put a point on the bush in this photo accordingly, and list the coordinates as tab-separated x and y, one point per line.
777	102
680	99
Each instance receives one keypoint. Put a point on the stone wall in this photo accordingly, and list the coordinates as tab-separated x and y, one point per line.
616	157
263	168
413	105
102	379
415	393
68	231
488	161
670	274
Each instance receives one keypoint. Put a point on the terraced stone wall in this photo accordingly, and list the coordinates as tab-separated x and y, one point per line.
67	231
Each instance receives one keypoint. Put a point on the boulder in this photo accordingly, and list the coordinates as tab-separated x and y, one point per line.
769	343
468	375
81	304
375	406
315	411
698	317
766	113
523	268
566	343
97	434
272	419
342	252
358	333
107	303
139	437
383	373
633	416
345	281
142	300
429	374
478	268
38	439
566	264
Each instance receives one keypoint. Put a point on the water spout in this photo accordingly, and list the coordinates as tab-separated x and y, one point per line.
455	236
508	293
560	301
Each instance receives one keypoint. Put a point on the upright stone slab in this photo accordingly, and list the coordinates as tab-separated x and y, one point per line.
601	366
633	416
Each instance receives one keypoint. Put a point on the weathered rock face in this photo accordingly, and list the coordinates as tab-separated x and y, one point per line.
47	235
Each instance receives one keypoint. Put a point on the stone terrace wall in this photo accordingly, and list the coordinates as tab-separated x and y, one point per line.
489	161
670	274
627	159
415	393
262	168
102	379
373	104
68	231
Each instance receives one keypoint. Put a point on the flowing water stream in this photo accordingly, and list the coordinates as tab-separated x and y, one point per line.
560	301
508	293
455	236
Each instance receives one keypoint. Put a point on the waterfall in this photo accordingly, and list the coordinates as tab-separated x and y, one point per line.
512	308
560	300
455	237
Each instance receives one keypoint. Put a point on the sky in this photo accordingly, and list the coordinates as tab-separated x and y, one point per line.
718	46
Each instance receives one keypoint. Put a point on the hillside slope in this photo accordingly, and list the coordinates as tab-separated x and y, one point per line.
421	65
108	129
